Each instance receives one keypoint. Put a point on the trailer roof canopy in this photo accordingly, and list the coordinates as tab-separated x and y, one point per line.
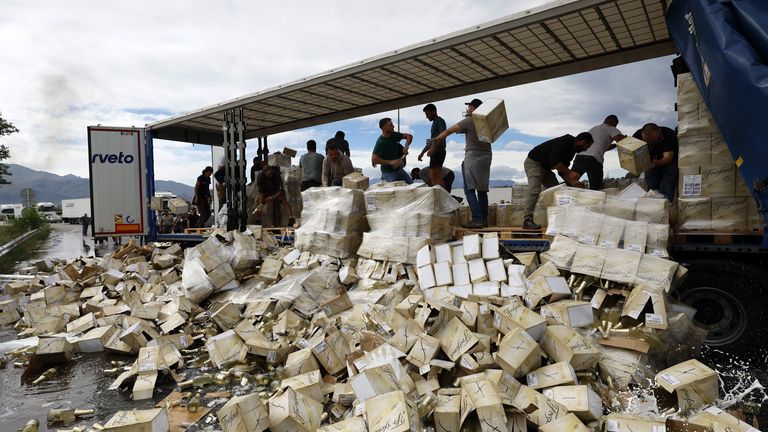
560	38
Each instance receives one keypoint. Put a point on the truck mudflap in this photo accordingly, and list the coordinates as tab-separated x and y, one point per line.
725	45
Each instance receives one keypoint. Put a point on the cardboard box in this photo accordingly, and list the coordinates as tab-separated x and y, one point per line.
729	213
390	412
443	253
579	399
718	180
518	353
572	313
53	350
568	423
720	421
490	120
456	339
279	160
292	412
694	213
309	384
624	366
538	408
150	420
244	414
617	422
144	386
426	276
634	155
448	413
178	206
560	373
514	315
225	348
96	339
692	383
694	150
291	153
550	288
355	180
443	273
353	424
472	247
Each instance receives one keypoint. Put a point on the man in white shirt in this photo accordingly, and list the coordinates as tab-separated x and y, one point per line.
590	161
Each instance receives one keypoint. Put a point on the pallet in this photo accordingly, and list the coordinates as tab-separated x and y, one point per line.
504	233
719	237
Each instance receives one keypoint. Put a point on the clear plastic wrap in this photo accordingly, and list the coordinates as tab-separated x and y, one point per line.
619	208
589	260
555	220
561	252
332	221
245	252
658	240
718	180
635	236
611	232
575	217
405	218
652	210
566	197
590	227
594	200
621	266
292	185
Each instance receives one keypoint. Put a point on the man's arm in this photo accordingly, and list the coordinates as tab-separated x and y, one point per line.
571	177
377	160
616	138
325	173
446	133
665	160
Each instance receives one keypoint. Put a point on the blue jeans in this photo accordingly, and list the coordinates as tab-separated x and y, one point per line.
477	200
398	175
663	179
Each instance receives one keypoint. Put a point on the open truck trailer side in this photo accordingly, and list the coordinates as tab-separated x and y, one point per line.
724	45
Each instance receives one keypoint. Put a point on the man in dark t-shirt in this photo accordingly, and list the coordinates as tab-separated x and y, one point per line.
271	191
341	143
203	196
663	146
556	154
389	154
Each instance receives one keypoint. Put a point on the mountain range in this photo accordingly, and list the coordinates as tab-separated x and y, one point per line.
53	188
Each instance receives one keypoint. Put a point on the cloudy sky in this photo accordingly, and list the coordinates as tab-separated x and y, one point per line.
70	65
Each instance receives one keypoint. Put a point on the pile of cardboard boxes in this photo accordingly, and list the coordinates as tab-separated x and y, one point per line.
462	336
712	195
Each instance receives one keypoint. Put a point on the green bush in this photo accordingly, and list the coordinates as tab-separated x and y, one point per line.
30	219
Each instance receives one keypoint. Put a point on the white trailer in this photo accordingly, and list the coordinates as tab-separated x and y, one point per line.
73	209
9	211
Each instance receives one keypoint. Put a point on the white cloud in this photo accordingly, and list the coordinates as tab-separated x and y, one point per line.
518	145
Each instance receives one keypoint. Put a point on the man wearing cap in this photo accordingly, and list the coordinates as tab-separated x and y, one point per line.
388	154
341	143
476	168
436	153
590	161
556	154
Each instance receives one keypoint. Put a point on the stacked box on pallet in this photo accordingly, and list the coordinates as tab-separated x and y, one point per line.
292	184
712	195
403	219
332	221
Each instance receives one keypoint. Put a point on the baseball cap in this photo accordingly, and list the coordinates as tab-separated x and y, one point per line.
475	102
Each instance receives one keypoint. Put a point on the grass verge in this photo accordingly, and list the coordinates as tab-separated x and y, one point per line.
23	250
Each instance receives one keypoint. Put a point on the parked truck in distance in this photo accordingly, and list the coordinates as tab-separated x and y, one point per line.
10	211
73	209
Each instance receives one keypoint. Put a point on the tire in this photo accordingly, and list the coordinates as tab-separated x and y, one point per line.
729	301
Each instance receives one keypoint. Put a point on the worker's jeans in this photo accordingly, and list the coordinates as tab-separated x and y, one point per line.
397	175
594	169
663	179
537	176
477	201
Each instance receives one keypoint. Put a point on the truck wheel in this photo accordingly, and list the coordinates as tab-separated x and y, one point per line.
728	297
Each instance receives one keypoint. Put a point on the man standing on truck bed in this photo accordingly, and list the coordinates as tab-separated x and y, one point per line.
202	197
557	154
590	161
476	167
663	146
341	143
435	151
311	165
388	154
272	195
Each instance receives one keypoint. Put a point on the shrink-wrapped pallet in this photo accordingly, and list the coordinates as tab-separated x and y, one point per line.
589	260
403	219
292	185
332	222
555	220
658	239
619	208
611	232
635	236
652	210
